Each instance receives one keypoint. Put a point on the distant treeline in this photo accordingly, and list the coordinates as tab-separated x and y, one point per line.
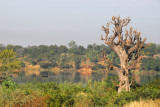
65	57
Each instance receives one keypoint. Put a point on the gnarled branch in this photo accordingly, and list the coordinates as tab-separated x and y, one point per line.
136	63
132	81
109	62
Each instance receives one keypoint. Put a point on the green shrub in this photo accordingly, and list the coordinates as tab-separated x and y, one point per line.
18	96
94	93
45	64
33	62
22	64
97	66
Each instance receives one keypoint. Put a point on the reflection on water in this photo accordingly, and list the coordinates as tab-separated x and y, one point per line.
74	77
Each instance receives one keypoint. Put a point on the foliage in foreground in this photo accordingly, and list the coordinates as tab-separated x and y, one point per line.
67	94
8	63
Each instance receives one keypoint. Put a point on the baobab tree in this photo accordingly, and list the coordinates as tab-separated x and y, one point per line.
127	46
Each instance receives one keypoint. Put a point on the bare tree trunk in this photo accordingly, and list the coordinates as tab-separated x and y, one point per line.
123	74
124	82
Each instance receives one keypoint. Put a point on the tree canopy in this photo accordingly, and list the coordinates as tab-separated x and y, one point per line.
8	63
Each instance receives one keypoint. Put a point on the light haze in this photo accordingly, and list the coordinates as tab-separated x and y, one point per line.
48	22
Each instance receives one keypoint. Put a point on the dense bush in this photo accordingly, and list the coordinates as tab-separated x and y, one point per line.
14	95
151	64
45	64
65	66
77	63
98	66
64	57
67	94
22	64
33	62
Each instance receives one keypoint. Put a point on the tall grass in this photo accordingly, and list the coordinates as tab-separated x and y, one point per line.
144	103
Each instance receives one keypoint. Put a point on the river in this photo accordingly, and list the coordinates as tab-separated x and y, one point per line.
75	77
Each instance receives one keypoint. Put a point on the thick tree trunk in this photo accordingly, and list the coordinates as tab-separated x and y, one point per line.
124	82
123	74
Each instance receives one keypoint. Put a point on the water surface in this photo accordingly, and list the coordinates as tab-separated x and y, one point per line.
74	76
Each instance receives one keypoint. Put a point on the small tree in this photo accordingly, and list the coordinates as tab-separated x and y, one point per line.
127	46
8	63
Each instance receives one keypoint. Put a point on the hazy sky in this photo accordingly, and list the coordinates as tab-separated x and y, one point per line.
47	22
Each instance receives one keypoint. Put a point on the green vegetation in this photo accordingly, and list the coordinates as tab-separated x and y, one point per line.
97	67
51	94
151	63
67	94
8	63
74	55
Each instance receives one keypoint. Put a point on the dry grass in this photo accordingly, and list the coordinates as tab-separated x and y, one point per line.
28	73
144	103
56	70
